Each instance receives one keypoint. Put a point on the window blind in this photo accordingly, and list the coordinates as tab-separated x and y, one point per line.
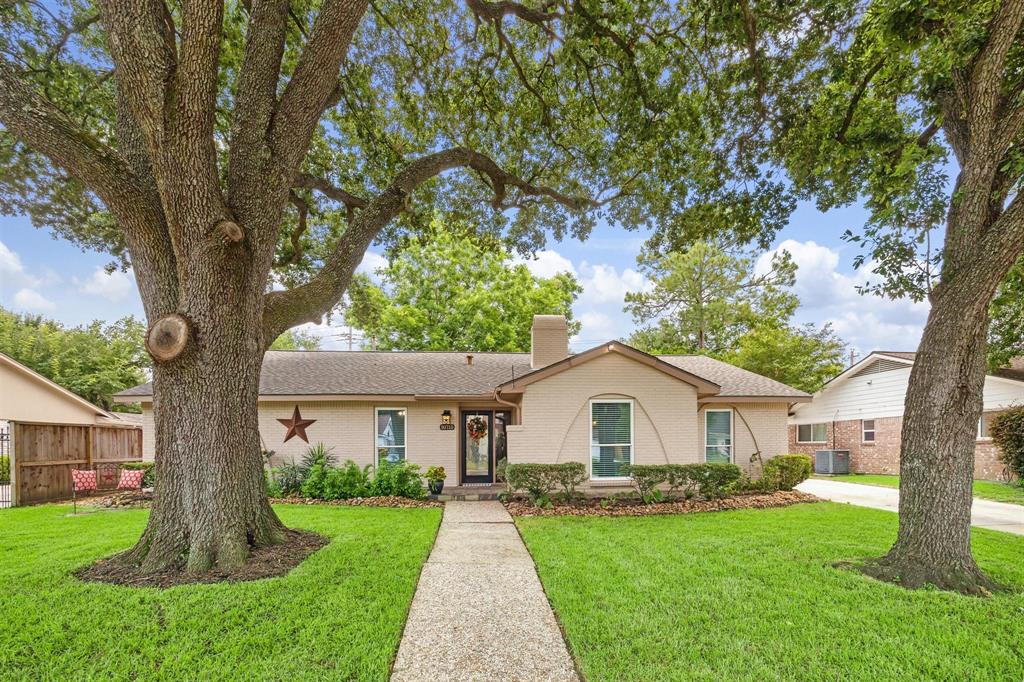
611	439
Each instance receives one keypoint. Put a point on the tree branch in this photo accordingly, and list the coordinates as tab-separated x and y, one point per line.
857	95
310	89
750	31
620	42
143	47
45	129
300	228
309	181
987	75
72	30
255	99
496	11
196	89
310	301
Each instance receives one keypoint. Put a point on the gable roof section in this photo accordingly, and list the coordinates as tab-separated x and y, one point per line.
703	386
64	393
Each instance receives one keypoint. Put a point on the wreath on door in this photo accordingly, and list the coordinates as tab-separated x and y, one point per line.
476	428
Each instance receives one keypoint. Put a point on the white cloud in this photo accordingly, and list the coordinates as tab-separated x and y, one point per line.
114	286
12	272
829	295
371	263
604	284
547	263
32	301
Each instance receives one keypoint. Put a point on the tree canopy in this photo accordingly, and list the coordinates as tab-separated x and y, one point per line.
713	299
706	296
803	356
296	339
450	291
95	360
1006	335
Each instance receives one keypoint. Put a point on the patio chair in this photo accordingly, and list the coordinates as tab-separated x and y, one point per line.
82	480
130	479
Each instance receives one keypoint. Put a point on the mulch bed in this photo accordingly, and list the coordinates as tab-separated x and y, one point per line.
362	502
633	507
264	562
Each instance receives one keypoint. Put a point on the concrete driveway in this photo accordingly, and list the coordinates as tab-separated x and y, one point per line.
1008	518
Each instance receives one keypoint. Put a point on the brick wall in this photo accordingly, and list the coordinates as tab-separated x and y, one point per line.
883	456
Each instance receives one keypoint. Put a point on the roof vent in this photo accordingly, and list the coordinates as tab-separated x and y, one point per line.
469	360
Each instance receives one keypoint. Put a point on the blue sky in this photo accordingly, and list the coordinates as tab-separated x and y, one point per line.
40	274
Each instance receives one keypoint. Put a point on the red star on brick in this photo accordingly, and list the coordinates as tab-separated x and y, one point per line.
296	426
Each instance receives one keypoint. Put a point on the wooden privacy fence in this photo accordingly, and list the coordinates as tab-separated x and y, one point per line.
45	454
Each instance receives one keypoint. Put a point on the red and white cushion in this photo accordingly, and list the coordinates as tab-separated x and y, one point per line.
130	479
83	480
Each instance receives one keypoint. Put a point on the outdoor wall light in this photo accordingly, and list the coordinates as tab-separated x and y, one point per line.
446	417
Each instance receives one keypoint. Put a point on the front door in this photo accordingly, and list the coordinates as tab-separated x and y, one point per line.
483	444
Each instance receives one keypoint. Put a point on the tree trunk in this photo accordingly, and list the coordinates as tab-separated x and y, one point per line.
943	405
211	505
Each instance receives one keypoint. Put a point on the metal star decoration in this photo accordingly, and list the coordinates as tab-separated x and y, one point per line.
296	426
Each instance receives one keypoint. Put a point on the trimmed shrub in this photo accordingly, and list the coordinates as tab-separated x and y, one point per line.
5	469
569	475
646	478
785	472
399	480
148	478
714	481
538	480
1007	431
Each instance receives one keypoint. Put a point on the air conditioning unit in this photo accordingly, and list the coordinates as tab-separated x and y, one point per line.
831	461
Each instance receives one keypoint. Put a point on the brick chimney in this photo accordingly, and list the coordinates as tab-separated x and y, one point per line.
549	340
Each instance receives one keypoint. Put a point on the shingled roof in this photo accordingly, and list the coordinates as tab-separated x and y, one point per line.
344	373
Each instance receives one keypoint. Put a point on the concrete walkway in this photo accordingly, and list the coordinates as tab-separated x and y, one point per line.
479	612
1008	518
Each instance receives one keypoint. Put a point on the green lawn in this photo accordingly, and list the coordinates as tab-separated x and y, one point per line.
986	490
751	595
339	615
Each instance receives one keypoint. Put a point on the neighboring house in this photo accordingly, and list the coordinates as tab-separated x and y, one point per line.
608	407
26	395
861	410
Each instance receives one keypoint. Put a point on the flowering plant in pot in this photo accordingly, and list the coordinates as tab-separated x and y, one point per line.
435	479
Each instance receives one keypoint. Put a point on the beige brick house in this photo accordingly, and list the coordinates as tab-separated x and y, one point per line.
861	410
607	407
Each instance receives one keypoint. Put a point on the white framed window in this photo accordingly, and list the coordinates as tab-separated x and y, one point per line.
611	438
867	430
983	433
718	436
812	433
390	424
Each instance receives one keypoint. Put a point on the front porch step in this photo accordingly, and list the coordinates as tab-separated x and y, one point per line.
470	493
